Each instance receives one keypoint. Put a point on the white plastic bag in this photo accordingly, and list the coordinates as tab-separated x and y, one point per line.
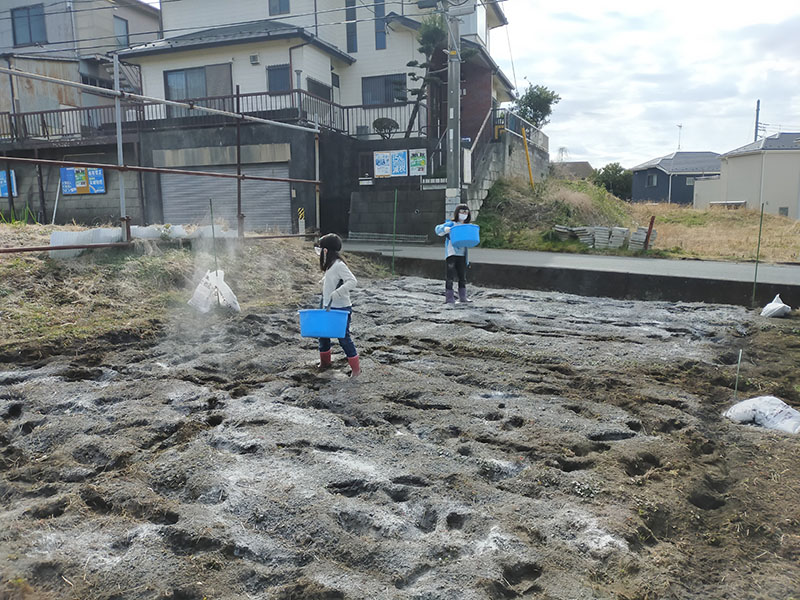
776	308
213	291
766	411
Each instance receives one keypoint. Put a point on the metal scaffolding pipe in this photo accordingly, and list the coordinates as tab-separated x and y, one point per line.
155	170
125	244
120	94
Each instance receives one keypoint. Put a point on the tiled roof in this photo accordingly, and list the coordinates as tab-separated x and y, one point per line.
233	34
684	162
778	141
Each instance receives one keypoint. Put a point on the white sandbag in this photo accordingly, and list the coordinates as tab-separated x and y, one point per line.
776	308
154	232
213	291
766	411
151	232
100	235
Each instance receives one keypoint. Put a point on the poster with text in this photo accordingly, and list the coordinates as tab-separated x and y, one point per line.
418	163
79	180
4	184
383	164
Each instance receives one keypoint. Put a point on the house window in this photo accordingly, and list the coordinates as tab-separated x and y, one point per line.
352	26
121	32
279	78
384	89
212	81
318	89
783	211
652	181
690	181
335	80
278	7
28	25
96	81
380	25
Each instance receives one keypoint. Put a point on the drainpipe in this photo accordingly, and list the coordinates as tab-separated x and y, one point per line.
669	192
71	8
13	119
761	185
299	83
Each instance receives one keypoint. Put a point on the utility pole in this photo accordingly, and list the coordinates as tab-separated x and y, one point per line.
453	192
120	158
758	111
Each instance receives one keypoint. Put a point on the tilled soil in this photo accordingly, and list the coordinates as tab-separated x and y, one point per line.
527	445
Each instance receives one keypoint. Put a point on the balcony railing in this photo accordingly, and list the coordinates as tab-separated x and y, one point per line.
294	106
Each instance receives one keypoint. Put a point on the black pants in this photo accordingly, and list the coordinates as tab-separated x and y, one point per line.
456	266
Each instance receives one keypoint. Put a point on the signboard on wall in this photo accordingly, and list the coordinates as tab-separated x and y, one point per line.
80	180
391	163
4	184
418	163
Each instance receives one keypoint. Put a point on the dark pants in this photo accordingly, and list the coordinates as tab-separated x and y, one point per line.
456	267
346	343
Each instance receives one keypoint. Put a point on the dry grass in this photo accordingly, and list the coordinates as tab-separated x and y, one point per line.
48	305
514	216
721	234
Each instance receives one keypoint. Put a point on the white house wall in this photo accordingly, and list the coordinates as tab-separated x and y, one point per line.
742	177
742	181
782	182
706	191
180	18
95	25
250	78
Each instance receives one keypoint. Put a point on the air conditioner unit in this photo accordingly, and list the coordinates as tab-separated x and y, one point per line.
254	60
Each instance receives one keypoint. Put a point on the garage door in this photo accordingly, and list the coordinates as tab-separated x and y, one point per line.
265	204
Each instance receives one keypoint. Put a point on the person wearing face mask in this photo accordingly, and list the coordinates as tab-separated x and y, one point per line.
456	259
337	283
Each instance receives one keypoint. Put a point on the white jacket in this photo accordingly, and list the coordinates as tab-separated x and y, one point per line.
339	297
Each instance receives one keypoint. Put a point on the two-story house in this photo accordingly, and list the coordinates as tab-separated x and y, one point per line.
762	173
353	53
671	178
69	40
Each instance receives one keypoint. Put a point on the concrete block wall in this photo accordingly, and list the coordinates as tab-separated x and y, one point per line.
505	159
417	212
84	209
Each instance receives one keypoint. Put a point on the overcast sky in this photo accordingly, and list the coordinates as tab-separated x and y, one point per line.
629	72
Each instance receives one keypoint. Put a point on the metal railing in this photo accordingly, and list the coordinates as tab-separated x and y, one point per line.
480	145
514	124
291	106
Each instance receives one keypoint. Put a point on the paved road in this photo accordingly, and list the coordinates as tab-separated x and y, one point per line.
718	270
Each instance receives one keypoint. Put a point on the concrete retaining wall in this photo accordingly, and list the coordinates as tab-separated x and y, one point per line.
629	286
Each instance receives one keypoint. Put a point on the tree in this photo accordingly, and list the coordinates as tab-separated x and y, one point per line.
432	38
385	127
536	104
615	179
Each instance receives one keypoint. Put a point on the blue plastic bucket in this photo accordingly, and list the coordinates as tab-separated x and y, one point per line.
320	323
465	236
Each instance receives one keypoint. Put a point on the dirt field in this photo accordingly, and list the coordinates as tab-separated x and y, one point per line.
529	445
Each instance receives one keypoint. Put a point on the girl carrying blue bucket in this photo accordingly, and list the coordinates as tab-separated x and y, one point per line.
456	259
336	286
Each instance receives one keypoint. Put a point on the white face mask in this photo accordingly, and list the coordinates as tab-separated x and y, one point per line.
462	217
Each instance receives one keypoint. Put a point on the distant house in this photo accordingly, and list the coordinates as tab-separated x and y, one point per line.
572	170
765	171
671	178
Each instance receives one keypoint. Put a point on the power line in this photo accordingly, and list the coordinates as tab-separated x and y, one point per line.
44	51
